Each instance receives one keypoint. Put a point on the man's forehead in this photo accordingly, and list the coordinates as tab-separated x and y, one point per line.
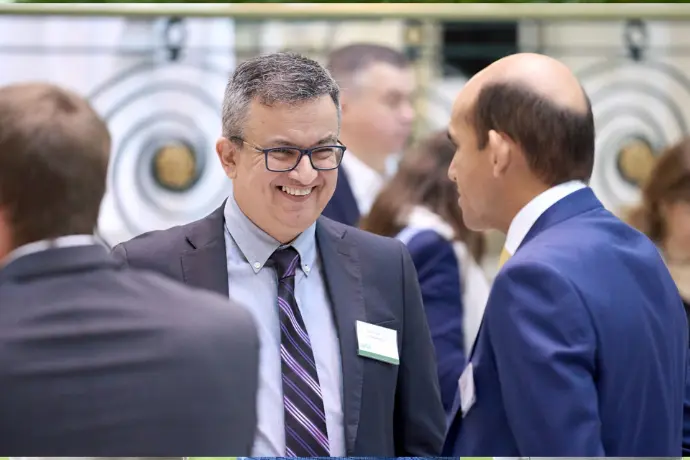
461	107
385	76
467	96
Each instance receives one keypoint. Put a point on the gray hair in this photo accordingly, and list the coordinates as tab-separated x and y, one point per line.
274	78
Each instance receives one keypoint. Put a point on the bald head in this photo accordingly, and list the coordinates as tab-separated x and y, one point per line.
540	74
539	104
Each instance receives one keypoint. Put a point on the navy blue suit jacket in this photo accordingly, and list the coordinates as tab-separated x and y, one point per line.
686	415
438	271
582	351
343	207
686	410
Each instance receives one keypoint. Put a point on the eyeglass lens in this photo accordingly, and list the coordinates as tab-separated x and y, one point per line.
285	158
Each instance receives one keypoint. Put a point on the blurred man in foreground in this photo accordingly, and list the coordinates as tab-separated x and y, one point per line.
95	358
583	345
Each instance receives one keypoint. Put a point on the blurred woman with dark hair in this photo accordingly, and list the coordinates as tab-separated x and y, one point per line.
664	213
664	216
419	206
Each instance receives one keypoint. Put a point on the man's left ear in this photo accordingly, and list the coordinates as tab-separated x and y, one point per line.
227	154
501	148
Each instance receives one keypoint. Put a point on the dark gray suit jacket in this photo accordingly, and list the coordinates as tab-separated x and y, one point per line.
100	360
388	410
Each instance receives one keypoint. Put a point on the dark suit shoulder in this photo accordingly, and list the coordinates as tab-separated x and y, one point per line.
192	314
155	240
362	238
158	250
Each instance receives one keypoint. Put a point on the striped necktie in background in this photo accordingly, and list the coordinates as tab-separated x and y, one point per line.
305	419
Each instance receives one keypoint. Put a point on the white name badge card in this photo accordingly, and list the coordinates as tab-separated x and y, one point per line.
377	342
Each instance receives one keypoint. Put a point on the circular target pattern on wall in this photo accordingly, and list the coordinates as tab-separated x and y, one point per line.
639	109
164	120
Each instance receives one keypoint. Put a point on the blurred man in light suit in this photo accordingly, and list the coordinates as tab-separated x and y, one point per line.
97	358
583	344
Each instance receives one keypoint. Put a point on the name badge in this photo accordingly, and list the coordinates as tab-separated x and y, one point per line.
377	342
466	384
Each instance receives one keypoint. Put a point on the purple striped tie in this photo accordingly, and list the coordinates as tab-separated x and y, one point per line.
305	420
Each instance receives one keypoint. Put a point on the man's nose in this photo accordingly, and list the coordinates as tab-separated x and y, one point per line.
407	113
304	173
451	170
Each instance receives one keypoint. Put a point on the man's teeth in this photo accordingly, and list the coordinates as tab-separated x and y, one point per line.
297	191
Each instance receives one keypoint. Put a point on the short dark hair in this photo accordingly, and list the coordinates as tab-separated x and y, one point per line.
345	62
54	152
422	180
557	141
283	77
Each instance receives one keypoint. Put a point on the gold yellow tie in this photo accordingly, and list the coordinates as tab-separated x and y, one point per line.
505	255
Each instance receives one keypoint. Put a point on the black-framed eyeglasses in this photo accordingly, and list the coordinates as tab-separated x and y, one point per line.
283	159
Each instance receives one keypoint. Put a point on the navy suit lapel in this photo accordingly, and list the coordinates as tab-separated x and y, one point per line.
204	265
576	203
344	283
572	205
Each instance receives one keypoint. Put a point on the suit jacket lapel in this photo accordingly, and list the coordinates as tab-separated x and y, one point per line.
576	203
344	284
572	205
204	265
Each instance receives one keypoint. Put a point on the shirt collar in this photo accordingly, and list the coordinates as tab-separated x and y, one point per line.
257	246
365	181
528	215
42	245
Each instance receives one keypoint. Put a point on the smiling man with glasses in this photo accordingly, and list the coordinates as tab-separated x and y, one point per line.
347	364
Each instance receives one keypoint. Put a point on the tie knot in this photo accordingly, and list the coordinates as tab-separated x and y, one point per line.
285	261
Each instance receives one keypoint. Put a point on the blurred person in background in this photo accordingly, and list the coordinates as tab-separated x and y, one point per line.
664	216
347	361
377	84
419	206
95	358
583	345
664	213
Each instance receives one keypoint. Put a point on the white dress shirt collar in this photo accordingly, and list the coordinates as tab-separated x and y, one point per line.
528	215
257	246
365	182
61	242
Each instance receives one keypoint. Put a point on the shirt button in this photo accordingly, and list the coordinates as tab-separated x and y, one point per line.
306	268
257	265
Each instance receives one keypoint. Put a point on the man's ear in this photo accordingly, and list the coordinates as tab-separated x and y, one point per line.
228	154
501	148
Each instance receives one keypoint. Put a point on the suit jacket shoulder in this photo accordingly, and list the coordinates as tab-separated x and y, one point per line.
138	249
365	241
160	250
154	342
